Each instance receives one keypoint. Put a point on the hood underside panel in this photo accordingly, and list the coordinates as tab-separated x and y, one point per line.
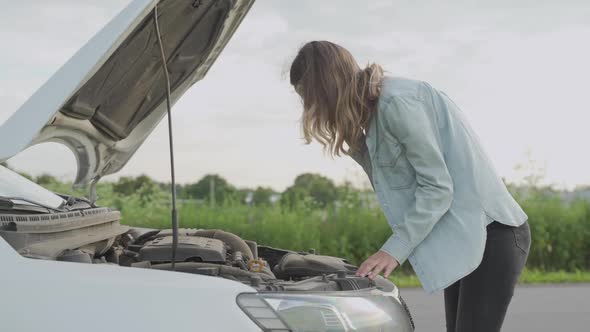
130	85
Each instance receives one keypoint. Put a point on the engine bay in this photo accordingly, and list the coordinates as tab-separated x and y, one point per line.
222	254
95	236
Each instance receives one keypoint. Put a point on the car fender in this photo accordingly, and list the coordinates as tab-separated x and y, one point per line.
40	295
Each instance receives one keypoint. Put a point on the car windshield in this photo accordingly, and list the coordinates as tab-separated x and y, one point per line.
13	184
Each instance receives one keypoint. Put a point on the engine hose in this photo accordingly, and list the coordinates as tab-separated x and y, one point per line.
192	267
235	242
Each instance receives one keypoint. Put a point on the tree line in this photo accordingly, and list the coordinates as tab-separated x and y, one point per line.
213	188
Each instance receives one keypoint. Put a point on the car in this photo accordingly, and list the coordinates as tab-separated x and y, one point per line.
69	264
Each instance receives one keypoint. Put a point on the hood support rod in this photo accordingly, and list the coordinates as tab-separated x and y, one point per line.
169	108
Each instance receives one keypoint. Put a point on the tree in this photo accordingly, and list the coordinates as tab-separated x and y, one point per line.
321	189
142	185
295	197
351	197
203	188
262	196
46	179
243	195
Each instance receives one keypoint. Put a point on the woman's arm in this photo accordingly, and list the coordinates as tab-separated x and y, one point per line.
412	121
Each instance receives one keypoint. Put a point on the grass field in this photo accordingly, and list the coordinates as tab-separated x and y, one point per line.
527	277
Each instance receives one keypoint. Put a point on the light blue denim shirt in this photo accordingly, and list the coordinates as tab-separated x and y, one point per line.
436	185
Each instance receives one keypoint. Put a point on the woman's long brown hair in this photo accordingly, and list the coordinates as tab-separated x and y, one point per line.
338	96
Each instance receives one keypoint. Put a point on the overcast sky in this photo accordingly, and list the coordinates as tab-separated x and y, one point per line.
520	70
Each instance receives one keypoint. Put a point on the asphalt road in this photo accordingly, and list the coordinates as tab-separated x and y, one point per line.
546	308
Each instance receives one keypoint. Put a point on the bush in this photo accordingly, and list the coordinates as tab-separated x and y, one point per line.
560	233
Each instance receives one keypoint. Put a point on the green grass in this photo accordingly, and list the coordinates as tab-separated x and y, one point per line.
554	277
405	280
528	277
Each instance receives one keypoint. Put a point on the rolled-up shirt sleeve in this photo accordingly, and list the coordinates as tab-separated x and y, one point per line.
414	125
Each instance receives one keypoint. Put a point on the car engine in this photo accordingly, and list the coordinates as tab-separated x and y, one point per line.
223	254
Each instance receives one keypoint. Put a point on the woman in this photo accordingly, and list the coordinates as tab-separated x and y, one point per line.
451	214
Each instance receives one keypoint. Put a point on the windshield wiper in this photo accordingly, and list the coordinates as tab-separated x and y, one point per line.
8	203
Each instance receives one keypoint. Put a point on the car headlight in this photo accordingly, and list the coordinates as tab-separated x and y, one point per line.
332	312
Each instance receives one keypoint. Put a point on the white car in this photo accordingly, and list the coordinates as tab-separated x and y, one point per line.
69	265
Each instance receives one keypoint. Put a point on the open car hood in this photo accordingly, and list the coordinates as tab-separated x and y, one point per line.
106	100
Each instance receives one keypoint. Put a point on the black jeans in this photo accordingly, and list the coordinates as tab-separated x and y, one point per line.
478	302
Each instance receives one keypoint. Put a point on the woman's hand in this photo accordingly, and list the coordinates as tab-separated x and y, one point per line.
379	261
